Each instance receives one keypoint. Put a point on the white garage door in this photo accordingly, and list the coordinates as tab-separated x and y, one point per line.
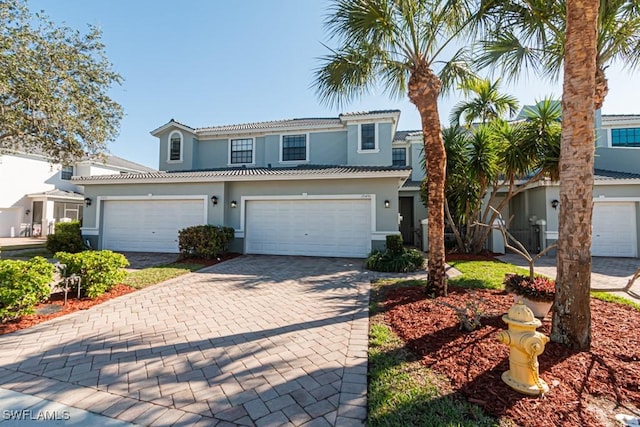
614	230
148	225
336	228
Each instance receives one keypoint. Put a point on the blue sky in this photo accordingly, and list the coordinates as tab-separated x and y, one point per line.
216	62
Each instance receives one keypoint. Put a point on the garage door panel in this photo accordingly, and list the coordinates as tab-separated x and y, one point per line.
309	227
148	225
614	230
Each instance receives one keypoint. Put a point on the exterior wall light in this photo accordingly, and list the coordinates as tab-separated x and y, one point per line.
214	200
555	203
27	212
87	201
234	204
387	204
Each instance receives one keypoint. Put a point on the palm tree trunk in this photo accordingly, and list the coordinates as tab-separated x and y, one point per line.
424	89
602	88
571	312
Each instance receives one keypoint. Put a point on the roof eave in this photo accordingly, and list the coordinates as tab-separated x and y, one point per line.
169	125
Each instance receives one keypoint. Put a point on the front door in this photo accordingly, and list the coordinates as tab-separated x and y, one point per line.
406	225
37	219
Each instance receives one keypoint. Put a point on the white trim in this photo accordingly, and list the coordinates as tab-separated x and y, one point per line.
169	125
403	173
553	235
622	126
253	151
90	231
304	196
376	148
256	132
180	160
604	199
238	234
307	146
102	199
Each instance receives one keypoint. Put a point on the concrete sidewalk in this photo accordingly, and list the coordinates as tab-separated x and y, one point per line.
606	273
257	340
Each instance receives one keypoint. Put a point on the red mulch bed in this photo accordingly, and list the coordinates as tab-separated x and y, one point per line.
586	388
75	304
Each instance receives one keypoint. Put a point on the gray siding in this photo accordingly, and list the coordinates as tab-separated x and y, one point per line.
415	153
380	158
618	159
328	148
188	141
212	154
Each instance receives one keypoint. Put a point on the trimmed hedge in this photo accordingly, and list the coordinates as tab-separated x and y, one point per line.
396	258
99	270
204	241
23	284
66	238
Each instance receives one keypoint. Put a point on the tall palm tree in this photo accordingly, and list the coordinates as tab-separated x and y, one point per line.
485	103
531	34
571	312
396	44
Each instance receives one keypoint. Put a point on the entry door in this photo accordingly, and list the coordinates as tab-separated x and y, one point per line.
37	219
406	225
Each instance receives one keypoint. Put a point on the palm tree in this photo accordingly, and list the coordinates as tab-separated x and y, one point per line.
532	35
571	312
397	43
486	104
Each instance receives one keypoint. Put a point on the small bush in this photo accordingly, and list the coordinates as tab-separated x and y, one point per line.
407	261
23	284
67	238
394	244
99	270
204	241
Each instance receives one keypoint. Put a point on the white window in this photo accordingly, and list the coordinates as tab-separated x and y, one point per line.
399	156
66	173
368	138
175	147
294	148
241	151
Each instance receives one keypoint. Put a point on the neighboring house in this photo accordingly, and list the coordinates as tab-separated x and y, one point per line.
314	186
616	194
36	194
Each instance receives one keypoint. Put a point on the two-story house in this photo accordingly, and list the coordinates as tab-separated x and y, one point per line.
311	186
616	193
36	193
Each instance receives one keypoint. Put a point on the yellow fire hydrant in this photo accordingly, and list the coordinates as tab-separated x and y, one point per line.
525	345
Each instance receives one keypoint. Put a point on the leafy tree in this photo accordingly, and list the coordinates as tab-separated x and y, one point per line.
486	104
397	44
489	165
531	35
571	309
53	87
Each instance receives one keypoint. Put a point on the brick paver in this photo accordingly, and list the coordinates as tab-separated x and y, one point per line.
255	340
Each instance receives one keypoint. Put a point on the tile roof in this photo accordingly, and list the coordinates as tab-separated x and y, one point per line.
620	117
603	175
58	193
304	122
412	184
248	172
402	135
119	162
367	113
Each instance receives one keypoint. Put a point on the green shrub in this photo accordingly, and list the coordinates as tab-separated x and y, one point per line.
204	241
394	244
22	285
405	262
67	238
99	270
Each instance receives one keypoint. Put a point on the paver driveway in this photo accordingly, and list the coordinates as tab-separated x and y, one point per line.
255	340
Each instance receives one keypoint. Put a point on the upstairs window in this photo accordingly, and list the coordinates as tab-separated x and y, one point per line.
294	148
368	137
66	173
399	156
175	147
625	137
241	151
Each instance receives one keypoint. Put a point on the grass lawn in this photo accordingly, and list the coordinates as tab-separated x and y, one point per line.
27	253
402	391
152	275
